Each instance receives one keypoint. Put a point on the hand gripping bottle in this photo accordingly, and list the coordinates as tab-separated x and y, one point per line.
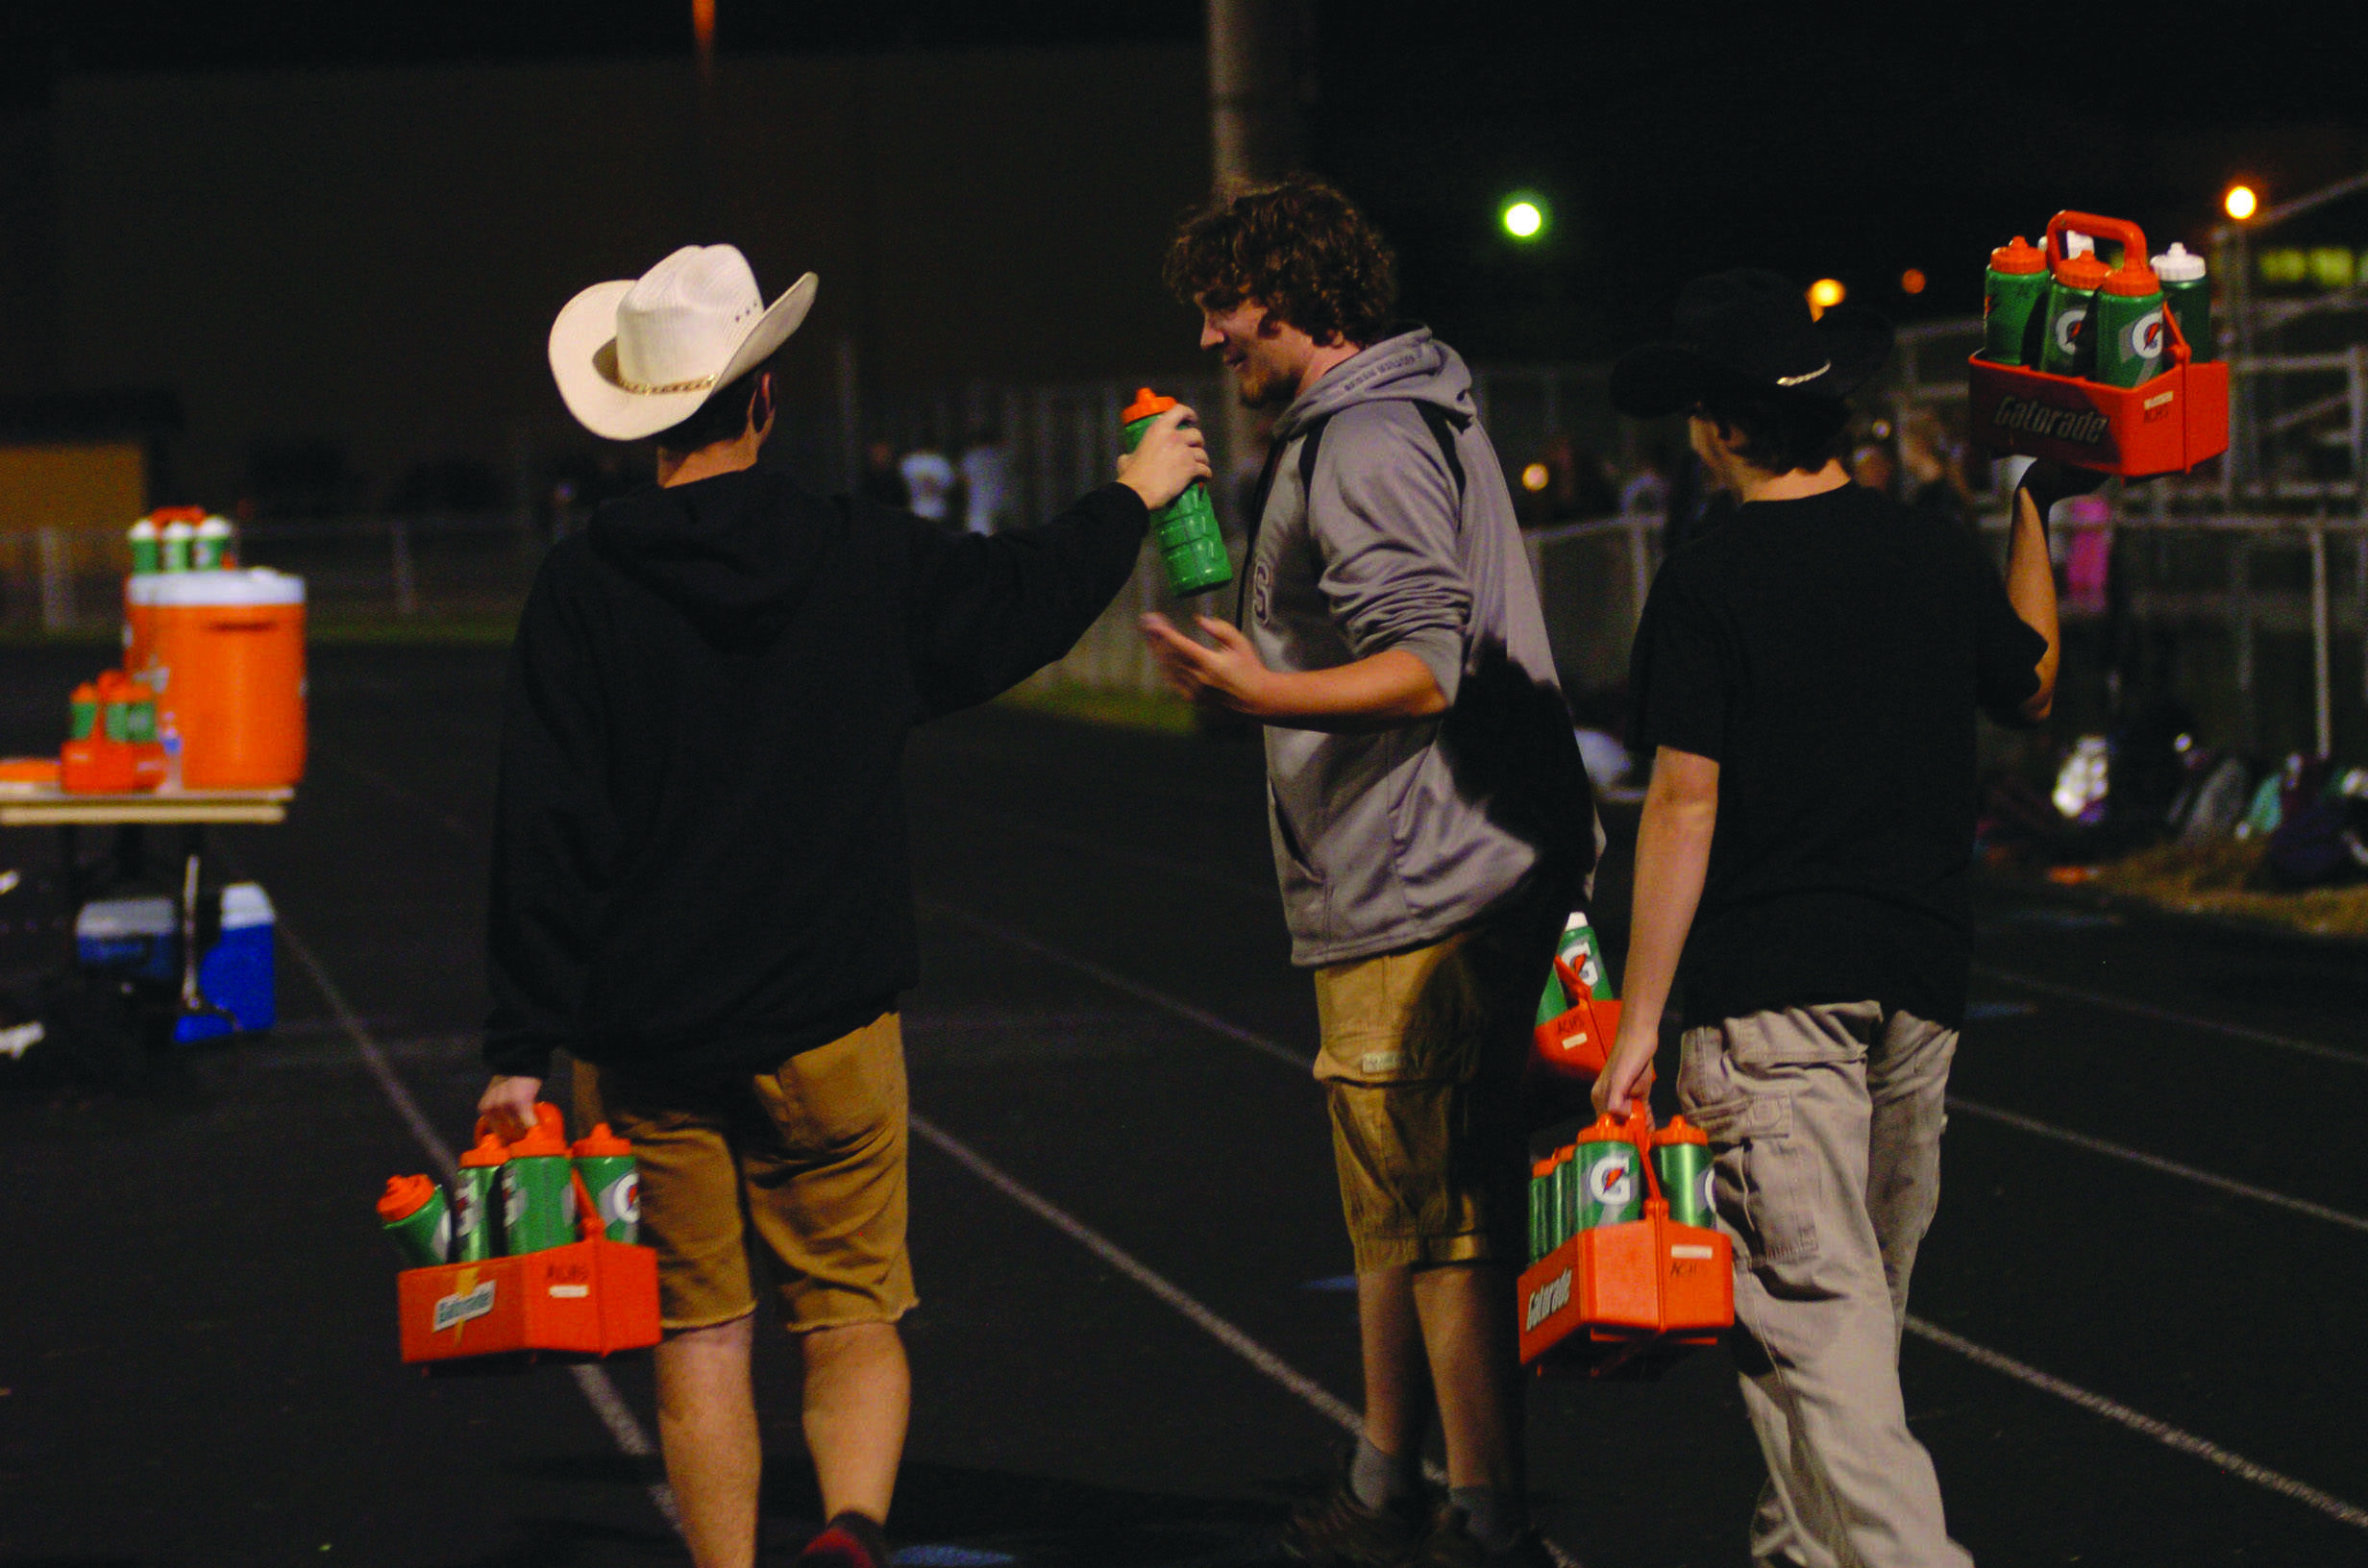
1682	1160
2189	294
538	1188
2070	346
2011	291
605	1163
480	1177
2132	340
416	1220
1611	1189
1190	545
143	538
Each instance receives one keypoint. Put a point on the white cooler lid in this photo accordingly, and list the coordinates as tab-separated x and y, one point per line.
252	585
244	905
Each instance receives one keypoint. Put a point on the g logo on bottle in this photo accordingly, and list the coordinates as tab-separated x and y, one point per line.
1612	1181
2071	326
2142	338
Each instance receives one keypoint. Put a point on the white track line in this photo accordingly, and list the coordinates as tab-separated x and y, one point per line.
2161	1432
2156	1163
2164	1015
598	1387
1116	981
1202	1316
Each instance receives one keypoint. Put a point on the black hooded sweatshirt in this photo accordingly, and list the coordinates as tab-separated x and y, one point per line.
700	862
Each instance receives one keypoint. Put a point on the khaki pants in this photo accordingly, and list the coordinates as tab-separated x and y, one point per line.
1825	1138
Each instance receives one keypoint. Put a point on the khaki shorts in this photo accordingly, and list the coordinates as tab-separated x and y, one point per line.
809	1155
1422	1058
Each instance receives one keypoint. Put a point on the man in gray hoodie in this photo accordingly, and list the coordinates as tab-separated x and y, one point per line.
1432	826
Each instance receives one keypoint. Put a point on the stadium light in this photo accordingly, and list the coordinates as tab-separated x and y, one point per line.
1824	294
2241	202
1913	281
1523	217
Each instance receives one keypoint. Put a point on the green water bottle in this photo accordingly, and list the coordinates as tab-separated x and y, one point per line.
1611	1189
473	1195
1566	1193
413	1215
2190	295
605	1163
1191	546
1579	948
1682	1161
2070	346
2014	287
1541	1238
209	546
175	537
144	553
2130	337
83	712
538	1188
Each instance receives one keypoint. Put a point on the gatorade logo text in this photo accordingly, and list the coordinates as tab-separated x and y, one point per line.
2083	426
2142	338
1612	1181
1547	1299
457	1308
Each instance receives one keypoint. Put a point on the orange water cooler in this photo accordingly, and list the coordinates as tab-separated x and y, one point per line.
225	653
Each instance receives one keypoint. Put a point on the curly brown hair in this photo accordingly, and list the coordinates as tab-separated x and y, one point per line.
1298	247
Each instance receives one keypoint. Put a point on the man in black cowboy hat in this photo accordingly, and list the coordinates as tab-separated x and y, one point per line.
1806	679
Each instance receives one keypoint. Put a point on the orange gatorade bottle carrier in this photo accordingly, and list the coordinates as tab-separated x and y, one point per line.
1618	1298
1578	1043
225	651
2167	424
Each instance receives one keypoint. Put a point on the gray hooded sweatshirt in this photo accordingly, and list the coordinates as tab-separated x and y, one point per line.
1394	838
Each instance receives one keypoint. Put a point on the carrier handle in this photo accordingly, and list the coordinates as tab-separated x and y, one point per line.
2130	237
590	1226
1640	1134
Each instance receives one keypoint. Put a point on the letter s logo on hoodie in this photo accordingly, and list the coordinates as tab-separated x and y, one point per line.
1262	593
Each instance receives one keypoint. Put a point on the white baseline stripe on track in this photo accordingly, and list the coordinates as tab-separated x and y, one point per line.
2155	1161
597	1385
2161	1432
2164	1015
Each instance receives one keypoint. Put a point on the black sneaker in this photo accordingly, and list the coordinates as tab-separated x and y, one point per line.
1336	1531
1450	1546
849	1540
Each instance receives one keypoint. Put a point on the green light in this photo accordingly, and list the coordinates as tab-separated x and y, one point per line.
1523	217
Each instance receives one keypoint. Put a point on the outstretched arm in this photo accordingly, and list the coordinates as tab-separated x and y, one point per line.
1391	687
1673	857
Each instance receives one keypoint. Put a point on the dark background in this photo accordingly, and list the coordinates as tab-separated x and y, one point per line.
1664	140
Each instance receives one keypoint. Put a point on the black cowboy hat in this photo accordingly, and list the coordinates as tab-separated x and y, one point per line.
1749	328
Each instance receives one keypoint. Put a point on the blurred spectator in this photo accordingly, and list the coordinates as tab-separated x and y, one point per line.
986	481
1577	486
1936	469
881	482
928	484
1647	489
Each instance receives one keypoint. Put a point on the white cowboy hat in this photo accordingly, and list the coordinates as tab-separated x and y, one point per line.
635	357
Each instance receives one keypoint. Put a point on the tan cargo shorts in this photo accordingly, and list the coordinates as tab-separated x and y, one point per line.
810	1157
1422	1060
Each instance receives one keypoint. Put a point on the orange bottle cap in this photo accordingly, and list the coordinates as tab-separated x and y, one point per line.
1146	405
541	1138
2081	272
1544	1167
2018	255
489	1151
1681	1130
86	693
2134	278
547	1114
1608	1128
404	1197
600	1143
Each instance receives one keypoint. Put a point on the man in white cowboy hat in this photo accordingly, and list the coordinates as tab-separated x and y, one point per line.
1806	679
701	885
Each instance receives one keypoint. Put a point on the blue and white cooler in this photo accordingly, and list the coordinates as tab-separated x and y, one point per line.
237	973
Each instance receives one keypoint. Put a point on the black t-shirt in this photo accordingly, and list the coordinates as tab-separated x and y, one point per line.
1829	654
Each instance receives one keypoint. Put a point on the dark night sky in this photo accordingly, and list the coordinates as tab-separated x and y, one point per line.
1669	139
